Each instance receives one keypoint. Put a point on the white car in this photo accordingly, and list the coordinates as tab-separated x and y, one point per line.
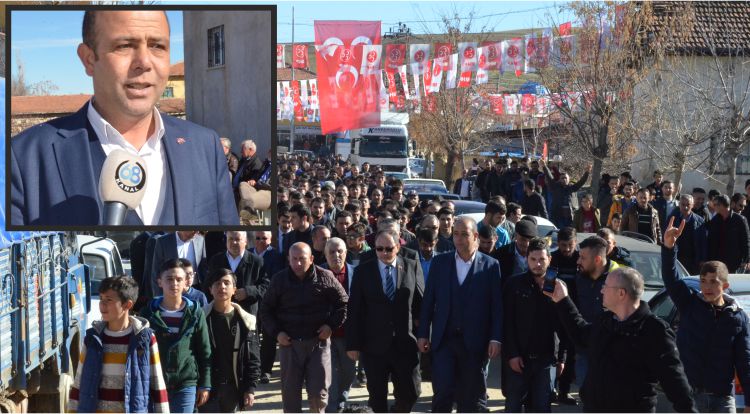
103	258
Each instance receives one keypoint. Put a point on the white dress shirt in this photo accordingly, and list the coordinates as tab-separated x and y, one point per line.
462	268
152	152
233	262
186	250
382	266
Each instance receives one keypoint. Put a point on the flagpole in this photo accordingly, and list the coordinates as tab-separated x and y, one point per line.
291	130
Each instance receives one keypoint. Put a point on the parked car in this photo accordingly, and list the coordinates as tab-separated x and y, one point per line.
662	306
436	196
425	185
397	175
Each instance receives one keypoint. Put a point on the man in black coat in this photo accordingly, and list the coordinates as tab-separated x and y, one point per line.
728	237
512	257
385	299
250	167
252	279
533	204
632	348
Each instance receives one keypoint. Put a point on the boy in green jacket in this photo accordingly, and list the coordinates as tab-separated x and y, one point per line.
182	334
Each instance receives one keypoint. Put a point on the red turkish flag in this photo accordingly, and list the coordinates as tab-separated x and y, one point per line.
565	29
298	112
394	57
545	151
299	57
342	92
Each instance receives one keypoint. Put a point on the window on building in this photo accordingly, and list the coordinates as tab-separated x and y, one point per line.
168	92
216	46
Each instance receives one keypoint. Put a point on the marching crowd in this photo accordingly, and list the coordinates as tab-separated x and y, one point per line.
365	283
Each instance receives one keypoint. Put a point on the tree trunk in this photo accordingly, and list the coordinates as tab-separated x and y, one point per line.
732	171
450	167
596	172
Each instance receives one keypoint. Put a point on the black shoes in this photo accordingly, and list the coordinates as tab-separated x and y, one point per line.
265	378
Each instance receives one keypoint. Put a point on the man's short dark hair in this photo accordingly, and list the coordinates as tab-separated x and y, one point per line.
427	235
657	172
219	273
605	232
317	229
344	214
537	244
487	232
513	207
737	197
185	262
596	244
88	28
665	182
353	206
301	210
359	228
445	211
712	194
170	264
493	207
282	209
722	199
566	234
701	190
529	183
125	286
616	216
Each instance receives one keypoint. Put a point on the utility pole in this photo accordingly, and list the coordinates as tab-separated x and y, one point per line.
291	127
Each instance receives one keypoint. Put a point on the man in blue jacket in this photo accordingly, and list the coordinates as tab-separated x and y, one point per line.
55	166
712	337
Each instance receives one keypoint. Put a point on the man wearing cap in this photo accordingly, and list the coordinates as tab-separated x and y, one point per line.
512	257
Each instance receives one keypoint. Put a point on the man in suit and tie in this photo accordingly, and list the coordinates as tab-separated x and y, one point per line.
462	309
252	280
179	245
55	166
386	297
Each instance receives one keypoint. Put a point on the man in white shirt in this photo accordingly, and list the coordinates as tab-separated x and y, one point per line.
55	166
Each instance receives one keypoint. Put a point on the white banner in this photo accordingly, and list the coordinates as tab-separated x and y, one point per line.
404	81
482	65
419	54
371	56
467	51
511	60
451	72
280	57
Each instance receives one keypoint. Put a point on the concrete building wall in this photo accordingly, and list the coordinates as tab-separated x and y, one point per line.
234	99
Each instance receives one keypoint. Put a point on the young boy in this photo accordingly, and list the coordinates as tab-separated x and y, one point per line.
234	347
118	341
180	328
190	292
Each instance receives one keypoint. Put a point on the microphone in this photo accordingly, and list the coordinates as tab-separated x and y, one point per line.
122	185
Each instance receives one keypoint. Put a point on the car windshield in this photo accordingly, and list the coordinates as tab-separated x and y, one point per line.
425	188
469	209
386	147
649	265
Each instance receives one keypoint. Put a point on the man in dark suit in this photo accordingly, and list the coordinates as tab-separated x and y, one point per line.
179	245
252	280
55	166
386	297
249	170
462	306
728	237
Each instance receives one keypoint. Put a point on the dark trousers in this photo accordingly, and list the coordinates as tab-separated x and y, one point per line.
569	373
457	376
267	353
534	382
402	367
224	398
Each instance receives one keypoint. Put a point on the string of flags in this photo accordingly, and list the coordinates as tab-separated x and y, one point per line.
358	77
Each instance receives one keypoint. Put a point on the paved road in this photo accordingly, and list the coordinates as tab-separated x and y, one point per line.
268	397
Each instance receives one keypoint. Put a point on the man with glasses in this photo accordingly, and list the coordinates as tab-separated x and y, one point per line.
386	297
252	280
355	243
461	321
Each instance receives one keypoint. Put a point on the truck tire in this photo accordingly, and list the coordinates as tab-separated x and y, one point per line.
54	402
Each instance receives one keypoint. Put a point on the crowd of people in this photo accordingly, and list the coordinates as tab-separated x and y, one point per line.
364	284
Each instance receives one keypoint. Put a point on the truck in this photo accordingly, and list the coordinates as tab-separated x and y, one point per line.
388	146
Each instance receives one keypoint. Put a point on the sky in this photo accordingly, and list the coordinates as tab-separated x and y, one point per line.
46	41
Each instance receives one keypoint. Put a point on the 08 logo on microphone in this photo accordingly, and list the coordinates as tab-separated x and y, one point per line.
130	177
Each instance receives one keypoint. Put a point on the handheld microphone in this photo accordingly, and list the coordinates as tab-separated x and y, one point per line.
122	185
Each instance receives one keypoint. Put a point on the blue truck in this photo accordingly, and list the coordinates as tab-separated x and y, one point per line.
44	301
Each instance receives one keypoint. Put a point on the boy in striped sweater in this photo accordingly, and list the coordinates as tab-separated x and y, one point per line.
181	331
119	357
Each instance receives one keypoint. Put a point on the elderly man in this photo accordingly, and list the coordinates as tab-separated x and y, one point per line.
233	163
461	321
632	347
303	306
386	297
343	368
55	167
250	165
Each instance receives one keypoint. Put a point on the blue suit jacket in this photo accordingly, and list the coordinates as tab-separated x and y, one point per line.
483	314
349	275
55	169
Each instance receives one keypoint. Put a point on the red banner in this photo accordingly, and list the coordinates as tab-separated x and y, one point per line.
493	54
565	29
298	112
465	80
280	57
443	51
497	104
394	57
299	57
342	91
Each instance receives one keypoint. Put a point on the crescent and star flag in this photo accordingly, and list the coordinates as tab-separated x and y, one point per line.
451	71
467	52
493	54
419	54
299	57
342	91
565	28
394	57
371	55
512	59
280	63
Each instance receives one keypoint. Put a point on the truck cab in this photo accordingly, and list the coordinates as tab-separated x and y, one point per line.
387	145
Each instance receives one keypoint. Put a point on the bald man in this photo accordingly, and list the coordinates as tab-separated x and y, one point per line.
302	307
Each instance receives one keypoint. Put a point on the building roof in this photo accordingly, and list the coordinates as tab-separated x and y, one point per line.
178	69
285	74
68	104
701	25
